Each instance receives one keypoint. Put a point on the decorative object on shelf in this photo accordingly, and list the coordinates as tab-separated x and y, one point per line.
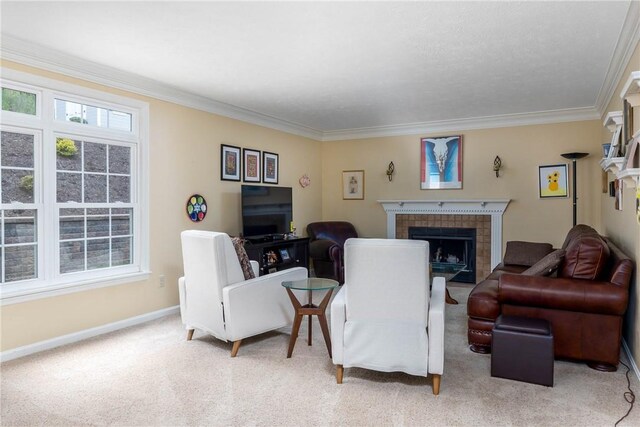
230	163
196	208
251	165
441	162
390	169
497	165
304	181
574	157
605	149
553	181
619	189
632	155
627	124
284	255
272	258
353	185
270	167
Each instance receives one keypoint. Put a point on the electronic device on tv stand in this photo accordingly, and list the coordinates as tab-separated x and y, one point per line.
267	212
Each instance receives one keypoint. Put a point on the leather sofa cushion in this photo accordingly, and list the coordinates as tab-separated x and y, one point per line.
483	300
578	231
562	294
586	258
547	265
525	253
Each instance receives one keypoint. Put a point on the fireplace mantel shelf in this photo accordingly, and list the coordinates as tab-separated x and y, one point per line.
493	207
465	207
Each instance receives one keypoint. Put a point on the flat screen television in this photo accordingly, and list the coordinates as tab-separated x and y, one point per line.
267	211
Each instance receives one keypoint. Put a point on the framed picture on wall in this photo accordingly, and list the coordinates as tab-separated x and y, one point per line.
230	163
553	181
269	167
619	189
353	185
441	163
251	165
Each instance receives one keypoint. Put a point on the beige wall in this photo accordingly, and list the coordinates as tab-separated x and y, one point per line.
184	159
522	149
621	226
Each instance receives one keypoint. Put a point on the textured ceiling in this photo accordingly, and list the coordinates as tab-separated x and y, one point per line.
331	65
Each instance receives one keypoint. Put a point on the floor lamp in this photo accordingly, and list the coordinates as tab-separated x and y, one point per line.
573	157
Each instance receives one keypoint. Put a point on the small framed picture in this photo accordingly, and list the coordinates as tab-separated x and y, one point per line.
353	185
553	181
230	163
269	167
284	255
251	166
619	190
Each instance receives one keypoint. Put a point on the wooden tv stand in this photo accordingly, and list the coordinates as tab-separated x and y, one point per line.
287	254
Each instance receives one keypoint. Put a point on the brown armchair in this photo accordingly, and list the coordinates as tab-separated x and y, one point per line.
326	247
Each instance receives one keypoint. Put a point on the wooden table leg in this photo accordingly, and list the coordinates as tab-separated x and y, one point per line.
296	322
322	319
309	316
448	298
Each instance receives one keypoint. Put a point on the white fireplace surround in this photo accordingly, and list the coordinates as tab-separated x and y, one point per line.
494	208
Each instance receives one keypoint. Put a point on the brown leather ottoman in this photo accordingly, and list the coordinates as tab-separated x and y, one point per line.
522	350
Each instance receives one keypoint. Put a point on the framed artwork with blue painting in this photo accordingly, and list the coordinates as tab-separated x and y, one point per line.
441	163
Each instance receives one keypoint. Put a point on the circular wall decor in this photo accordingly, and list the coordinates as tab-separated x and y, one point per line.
196	208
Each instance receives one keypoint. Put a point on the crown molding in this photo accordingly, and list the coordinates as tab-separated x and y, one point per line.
488	122
15	49
27	53
626	45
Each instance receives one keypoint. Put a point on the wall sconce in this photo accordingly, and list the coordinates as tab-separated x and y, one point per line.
497	164
390	171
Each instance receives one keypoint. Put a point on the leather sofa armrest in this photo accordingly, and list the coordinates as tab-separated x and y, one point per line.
586	296
325	249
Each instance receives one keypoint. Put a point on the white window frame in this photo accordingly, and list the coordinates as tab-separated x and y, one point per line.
50	282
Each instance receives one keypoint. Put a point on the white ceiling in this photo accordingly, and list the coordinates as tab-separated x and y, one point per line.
338	67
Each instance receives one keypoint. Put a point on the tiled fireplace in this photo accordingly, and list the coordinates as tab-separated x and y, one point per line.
485	216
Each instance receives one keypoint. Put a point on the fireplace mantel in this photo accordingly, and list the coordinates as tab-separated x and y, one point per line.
493	207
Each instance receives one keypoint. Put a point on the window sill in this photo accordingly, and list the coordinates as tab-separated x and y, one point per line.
48	291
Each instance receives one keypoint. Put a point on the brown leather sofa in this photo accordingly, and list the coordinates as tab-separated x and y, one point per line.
585	301
326	247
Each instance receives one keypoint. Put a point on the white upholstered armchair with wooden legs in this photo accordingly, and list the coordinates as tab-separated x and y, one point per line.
216	298
385	317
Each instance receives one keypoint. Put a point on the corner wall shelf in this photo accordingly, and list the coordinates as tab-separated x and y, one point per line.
631	90
613	165
630	176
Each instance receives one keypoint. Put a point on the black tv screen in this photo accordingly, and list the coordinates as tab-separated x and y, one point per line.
266	210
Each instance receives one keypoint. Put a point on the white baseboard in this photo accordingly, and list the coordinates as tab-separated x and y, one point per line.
26	350
626	349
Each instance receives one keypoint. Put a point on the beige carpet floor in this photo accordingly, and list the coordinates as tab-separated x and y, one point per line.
149	375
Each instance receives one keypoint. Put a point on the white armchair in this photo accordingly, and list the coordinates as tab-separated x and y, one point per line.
385	318
215	297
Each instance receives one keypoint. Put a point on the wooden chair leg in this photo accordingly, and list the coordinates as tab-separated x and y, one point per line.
339	373
190	334
236	346
436	384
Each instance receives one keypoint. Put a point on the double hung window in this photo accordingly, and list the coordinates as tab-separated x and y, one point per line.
72	188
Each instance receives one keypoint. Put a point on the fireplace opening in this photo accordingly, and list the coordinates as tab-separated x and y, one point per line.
450	245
